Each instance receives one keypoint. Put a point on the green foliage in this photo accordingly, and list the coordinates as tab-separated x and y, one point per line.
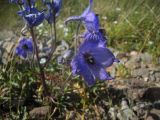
122	71
130	24
133	25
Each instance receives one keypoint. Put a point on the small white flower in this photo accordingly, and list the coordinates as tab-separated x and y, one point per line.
150	42
66	29
115	22
61	26
43	60
118	9
104	17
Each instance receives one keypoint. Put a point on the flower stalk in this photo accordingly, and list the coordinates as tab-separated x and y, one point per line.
41	68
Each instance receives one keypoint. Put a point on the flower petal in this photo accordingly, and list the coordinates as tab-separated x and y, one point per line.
98	37
32	16
88	9
100	72
103	56
91	22
80	67
21	51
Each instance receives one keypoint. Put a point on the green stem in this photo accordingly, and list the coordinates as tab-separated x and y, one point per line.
46	93
76	36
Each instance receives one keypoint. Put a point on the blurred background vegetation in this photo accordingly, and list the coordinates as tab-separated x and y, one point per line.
130	24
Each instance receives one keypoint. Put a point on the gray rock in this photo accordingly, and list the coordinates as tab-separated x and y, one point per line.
39	112
151	72
157	74
126	113
146	58
152	78
146	79
157	79
140	72
6	34
133	62
154	69
7	50
113	113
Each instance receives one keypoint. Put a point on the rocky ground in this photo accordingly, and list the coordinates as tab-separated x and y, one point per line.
142	87
137	77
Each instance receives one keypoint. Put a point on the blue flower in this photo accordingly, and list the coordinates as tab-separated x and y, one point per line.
24	48
91	22
91	62
89	18
32	16
98	38
24	2
54	7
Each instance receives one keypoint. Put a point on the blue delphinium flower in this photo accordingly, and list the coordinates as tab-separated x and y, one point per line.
88	17
95	37
54	7
91	23
25	47
32	16
91	62
24	3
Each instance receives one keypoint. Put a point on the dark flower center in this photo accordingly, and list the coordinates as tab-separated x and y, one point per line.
89	58
25	47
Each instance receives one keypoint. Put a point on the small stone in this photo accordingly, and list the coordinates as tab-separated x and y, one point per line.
113	113
146	58
123	60
8	46
39	112
143	65
157	74
134	62
133	53
151	72
157	79
142	105
120	55
135	108
140	72
152	78
146	79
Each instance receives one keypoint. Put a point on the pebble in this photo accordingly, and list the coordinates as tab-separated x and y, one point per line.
146	79
146	58
152	78
133	53
140	72
157	74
